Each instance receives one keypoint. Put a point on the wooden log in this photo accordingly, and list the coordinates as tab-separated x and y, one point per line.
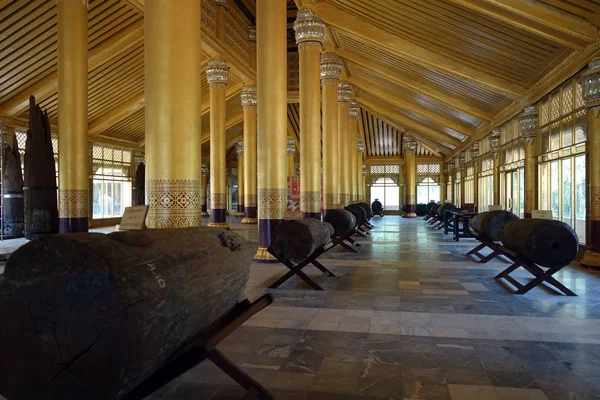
445	207
139	185
41	210
342	221
429	206
359	213
377	207
490	223
12	179
435	208
90	316
547	243
297	239
367	209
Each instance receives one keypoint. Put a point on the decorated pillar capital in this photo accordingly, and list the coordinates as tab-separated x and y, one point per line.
354	110
495	142
410	144
291	147
205	169
360	144
308	27
528	122
590	81
461	161
345	92
248	96
364	171
475	152
331	66
217	72
239	148
252	33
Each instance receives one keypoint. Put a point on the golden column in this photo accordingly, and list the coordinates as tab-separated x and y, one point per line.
331	70
74	181
495	145
173	122
220	19
451	179
591	95
204	199
217	74
475	163
443	180
310	33
344	143
239	149
353	151
463	174
272	119
358	168
249	104
291	152
529	127
410	167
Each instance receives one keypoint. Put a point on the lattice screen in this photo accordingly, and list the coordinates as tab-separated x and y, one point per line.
385	171
425	171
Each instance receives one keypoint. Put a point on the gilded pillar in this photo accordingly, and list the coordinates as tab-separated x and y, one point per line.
410	166
591	95
529	128
173	123
463	173
310	33
443	180
352	152
217	74
475	163
204	197
239	148
291	152
357	159
220	19
272	119
74	181
363	182
345	145
495	145
331	70
249	105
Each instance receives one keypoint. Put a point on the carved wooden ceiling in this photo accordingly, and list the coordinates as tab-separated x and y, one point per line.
444	71
448	71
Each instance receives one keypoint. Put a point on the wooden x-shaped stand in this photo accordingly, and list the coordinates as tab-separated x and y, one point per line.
203	347
540	274
296	269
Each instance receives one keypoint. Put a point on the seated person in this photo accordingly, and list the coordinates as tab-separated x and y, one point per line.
377	208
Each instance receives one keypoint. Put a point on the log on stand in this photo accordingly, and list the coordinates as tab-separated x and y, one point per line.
491	223
361	217
298	239
297	243
547	243
12	179
41	211
139	185
343	221
90	316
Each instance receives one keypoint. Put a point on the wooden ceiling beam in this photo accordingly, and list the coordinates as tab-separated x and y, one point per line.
429	144
137	4
424	89
412	107
412	52
391	115
538	18
98	55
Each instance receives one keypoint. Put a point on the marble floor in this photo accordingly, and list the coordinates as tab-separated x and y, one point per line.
410	316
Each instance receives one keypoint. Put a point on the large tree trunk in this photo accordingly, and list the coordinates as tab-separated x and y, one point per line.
367	209
342	221
297	239
90	316
544	242
12	178
358	212
41	211
490	223
445	207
